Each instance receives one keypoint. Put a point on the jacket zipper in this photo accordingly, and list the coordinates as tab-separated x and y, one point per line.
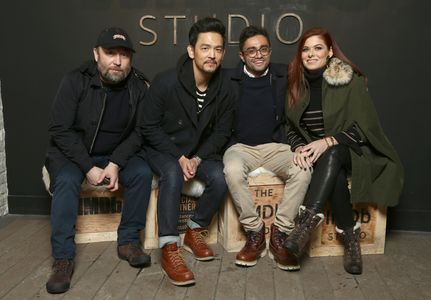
98	124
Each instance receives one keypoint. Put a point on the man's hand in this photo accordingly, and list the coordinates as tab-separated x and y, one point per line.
188	166
111	173
94	175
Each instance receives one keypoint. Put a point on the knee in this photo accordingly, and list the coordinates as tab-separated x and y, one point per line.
334	155
140	173
172	175
304	175
234	171
68	179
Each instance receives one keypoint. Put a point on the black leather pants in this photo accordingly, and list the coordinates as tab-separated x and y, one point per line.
329	183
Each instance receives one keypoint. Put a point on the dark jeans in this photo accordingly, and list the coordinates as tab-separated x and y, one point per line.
135	177
329	183
171	183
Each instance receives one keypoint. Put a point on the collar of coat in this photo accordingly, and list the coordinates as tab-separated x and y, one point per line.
338	73
187	79
277	70
89	68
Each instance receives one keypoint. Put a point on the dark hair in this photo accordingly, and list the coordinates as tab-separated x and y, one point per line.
295	71
208	24
251	31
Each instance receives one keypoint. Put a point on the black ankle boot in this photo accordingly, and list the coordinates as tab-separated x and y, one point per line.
352	249
305	224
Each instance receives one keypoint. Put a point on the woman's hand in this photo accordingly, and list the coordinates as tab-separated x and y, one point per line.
300	158
314	150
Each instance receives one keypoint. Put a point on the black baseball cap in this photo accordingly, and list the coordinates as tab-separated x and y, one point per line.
114	37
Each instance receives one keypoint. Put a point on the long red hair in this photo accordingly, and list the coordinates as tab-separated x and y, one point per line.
296	80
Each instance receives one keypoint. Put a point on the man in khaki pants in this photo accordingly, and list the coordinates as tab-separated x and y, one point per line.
261	139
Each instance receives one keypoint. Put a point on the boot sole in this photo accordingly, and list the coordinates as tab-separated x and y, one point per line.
284	267
179	283
250	263
143	264
188	249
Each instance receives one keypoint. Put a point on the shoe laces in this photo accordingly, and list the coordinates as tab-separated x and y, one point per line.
352	245
252	238
200	236
176	259
279	236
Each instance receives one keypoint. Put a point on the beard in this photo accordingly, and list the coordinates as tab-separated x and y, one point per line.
113	78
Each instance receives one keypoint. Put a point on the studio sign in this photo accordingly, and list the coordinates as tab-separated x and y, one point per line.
287	17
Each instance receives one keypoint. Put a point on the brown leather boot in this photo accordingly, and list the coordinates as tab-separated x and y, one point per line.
175	267
284	259
254	248
134	255
352	249
194	242
306	222
59	281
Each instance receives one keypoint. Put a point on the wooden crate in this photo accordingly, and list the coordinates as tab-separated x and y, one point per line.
267	191
187	208
97	227
324	241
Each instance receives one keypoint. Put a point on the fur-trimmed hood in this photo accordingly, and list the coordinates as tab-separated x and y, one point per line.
338	72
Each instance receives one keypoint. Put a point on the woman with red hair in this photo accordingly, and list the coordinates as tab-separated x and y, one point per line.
330	108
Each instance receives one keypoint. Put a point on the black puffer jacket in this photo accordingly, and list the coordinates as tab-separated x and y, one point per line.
76	116
171	124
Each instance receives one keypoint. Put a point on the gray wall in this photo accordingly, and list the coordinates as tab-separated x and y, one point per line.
41	40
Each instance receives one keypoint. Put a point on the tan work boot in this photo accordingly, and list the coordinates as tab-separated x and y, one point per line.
194	242
175	267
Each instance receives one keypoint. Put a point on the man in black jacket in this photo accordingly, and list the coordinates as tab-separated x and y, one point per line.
261	137
187	122
93	135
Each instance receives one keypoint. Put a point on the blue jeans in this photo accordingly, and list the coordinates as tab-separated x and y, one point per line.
170	185
135	177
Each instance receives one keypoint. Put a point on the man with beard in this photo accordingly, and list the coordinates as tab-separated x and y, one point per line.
261	138
187	122
93	136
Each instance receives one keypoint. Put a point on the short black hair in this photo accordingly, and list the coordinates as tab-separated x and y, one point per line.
251	31
207	24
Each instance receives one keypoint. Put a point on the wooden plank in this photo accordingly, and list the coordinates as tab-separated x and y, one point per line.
411	249
394	276
31	284
118	283
231	281
147	283
315	279
96	274
25	264
260	280
206	276
19	250
371	284
288	285
344	285
24	229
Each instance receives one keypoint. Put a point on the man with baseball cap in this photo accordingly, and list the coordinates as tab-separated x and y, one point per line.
93	137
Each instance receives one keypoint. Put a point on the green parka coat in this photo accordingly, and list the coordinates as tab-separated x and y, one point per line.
377	172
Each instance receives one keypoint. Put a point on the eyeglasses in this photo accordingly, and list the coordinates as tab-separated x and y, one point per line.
252	52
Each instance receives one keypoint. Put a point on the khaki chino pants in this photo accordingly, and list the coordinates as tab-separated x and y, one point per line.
241	159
